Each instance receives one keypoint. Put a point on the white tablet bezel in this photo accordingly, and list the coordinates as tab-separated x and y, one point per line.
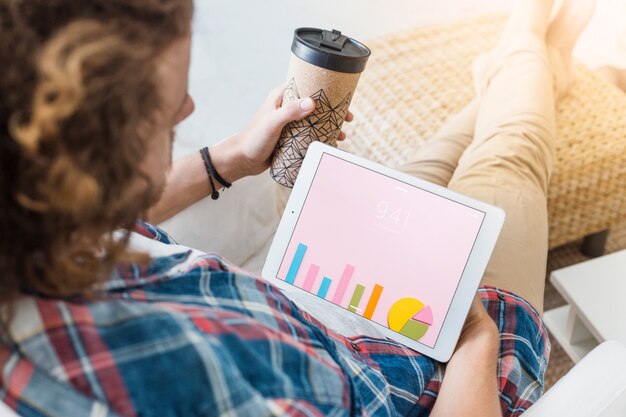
470	279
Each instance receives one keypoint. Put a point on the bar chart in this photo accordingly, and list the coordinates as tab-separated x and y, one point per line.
340	293
407	316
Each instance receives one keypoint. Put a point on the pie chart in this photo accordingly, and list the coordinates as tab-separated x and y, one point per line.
410	317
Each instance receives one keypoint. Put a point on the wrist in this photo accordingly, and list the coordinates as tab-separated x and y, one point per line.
481	341
228	162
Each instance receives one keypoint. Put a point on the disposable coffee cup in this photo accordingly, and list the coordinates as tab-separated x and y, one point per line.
326	66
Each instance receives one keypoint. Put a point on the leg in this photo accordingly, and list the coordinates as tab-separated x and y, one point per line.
509	165
510	160
437	158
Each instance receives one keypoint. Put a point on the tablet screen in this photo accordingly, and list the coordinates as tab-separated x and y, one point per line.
380	248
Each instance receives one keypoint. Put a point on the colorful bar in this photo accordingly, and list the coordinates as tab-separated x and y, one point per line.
373	302
310	277
324	287
295	263
356	298
343	284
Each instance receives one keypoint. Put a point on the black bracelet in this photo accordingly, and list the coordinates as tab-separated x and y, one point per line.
205	158
217	176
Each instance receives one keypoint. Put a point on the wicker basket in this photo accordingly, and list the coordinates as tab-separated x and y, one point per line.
417	79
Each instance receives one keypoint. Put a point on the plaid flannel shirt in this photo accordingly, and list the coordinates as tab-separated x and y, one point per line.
192	335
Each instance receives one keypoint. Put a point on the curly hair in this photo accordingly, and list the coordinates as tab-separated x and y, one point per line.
78	97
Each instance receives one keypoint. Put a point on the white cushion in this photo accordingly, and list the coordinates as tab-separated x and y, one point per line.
243	219
236	226
595	387
5	411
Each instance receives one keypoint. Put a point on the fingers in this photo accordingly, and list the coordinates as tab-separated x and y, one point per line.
349	118
275	96
296	110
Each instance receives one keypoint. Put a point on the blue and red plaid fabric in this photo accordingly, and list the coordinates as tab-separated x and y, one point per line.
191	335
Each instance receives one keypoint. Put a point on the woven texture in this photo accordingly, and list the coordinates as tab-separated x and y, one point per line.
417	79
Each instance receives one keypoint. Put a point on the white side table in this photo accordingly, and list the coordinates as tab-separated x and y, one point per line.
596	294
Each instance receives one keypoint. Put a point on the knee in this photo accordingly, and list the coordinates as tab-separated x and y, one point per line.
518	160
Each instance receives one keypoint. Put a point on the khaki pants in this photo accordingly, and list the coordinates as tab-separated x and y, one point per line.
500	150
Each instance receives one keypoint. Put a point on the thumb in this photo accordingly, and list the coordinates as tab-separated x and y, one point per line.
296	110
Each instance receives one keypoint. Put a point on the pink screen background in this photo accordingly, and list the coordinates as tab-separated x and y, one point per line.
348	218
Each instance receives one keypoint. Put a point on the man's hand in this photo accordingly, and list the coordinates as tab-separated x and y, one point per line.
470	384
479	331
255	144
246	153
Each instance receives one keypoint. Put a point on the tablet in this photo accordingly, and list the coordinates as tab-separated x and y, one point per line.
404	253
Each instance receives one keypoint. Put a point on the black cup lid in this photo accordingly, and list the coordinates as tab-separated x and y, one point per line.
330	50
